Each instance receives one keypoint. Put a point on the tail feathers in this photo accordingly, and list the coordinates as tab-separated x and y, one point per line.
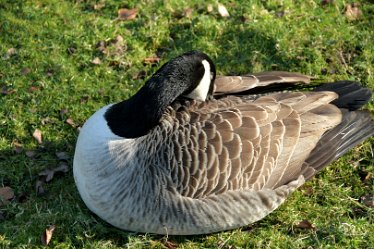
351	95
354	128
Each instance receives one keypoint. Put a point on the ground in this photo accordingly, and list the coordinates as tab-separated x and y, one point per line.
60	60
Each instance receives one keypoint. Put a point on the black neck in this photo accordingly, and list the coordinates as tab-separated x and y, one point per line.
136	116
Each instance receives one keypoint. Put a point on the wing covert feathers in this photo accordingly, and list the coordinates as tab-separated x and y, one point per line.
236	84
233	144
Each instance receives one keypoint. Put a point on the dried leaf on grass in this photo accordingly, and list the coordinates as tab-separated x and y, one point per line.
99	6
71	122
6	194
127	14
25	71
368	200
34	89
96	61
47	235
50	172
170	244
113	47
209	8
188	12
152	60
37	134
352	11
222	10
305	224
9	53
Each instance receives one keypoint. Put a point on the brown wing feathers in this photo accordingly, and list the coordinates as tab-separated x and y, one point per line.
238	144
248	146
236	84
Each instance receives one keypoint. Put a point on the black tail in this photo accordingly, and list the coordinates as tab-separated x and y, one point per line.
351	95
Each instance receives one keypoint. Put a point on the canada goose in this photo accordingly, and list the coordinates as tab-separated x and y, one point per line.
192	154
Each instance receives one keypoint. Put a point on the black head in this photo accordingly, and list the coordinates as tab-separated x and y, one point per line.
190	75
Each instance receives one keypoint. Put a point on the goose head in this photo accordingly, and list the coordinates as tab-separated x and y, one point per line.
190	75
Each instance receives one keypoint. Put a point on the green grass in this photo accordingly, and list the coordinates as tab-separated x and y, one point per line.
56	40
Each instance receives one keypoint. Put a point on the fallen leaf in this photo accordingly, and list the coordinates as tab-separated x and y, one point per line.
152	60
188	12
368	200
48	174
101	46
70	122
25	70
9	53
117	46
127	14
34	89
352	12
62	167
62	155
305	224
38	136
96	61
99	6
169	244
47	235
209	8
222	10
6	194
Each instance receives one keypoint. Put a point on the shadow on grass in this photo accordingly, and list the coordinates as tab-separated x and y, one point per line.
234	51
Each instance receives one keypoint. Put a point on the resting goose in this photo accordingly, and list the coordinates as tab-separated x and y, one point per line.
190	153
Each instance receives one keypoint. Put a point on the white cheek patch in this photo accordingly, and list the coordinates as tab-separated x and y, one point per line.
201	91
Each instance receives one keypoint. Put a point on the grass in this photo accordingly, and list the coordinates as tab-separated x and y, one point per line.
48	77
